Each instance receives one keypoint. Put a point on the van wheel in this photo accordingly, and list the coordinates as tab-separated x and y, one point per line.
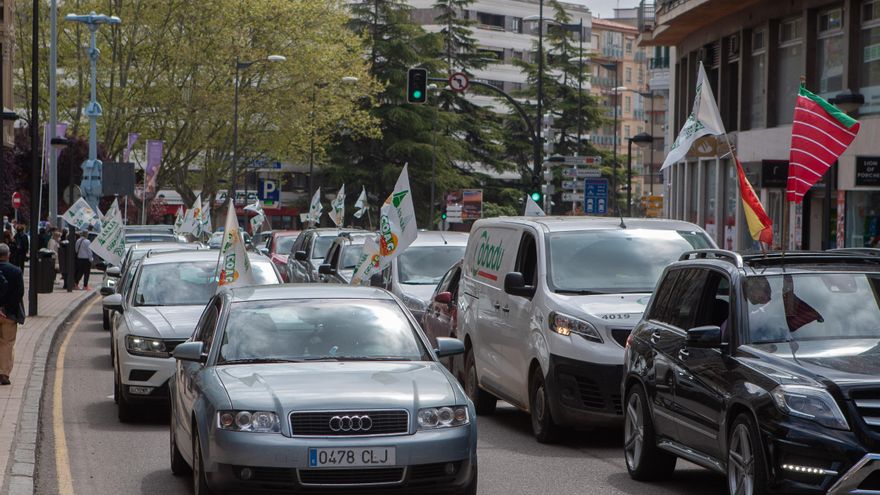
484	402
644	460
545	429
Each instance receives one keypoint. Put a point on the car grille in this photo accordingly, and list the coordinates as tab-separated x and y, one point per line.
371	476
868	405
394	422
593	398
620	335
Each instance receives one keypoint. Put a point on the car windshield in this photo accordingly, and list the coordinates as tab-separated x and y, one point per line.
147	237
322	244
813	306
187	283
283	244
217	238
319	329
426	265
351	256
616	261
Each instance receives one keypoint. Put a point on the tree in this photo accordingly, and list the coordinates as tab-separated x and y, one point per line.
168	73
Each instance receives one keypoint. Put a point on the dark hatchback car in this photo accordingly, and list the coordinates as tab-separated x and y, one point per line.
764	368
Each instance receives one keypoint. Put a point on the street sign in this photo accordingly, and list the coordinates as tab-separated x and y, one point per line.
16	199
117	179
581	173
453	213
596	196
582	160
268	190
573	185
459	82
572	196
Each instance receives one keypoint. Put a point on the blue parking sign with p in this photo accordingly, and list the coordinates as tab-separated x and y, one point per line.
268	190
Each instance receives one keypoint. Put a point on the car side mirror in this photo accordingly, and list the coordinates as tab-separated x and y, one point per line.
325	269
113	302
101	265
515	285
448	347
377	280
443	298
113	271
705	337
264	250
107	291
300	256
190	351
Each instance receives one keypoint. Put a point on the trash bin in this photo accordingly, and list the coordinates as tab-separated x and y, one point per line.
45	272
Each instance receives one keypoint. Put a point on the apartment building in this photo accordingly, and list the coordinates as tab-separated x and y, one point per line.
755	54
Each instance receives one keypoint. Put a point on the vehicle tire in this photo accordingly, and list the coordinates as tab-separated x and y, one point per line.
471	488
746	467
484	402
178	463
106	315
644	460
544	427
124	409
200	482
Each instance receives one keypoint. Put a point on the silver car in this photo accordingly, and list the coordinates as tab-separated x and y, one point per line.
319	387
159	311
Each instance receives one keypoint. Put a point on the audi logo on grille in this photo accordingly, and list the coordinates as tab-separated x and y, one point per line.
350	423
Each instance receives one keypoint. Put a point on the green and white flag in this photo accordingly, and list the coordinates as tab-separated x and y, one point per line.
178	222
315	208
206	220
257	223
337	214
80	215
192	221
110	243
235	268
397	221
703	120
368	263
361	203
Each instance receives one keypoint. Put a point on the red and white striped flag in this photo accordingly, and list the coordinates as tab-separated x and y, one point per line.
820	134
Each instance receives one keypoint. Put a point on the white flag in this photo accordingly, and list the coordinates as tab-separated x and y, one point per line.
235	267
361	203
206	220
80	215
178	221
315	208
192	221
110	243
368	263
397	221
257	223
532	208
256	207
703	120
337	214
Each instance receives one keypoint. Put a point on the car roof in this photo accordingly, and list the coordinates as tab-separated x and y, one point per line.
438	238
331	231
147	246
307	291
569	224
193	255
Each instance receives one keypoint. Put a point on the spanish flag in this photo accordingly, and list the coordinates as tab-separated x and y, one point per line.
760	225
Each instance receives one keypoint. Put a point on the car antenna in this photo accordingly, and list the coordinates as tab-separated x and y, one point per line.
443	237
622	225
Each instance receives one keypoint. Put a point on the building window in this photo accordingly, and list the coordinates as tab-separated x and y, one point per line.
629	46
627	104
758	90
869	49
626	131
790	56
493	53
490	21
516	24
831	52
629	74
710	210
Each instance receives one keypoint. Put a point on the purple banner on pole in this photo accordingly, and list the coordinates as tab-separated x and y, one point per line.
132	138
60	131
154	161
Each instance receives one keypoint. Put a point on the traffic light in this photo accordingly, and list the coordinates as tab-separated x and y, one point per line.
417	86
536	196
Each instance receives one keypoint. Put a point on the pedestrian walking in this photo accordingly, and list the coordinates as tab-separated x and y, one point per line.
11	311
84	257
54	245
22	246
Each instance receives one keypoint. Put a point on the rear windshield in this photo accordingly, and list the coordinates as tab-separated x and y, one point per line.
616	261
322	244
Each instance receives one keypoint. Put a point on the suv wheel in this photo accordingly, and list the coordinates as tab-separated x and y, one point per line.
484	402
746	472
124	410
543	426
644	460
106	319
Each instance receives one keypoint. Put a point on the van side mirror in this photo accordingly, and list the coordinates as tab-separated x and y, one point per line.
300	256
325	269
190	351
705	337
515	285
443	298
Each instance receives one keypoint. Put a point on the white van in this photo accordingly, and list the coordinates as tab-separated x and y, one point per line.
546	305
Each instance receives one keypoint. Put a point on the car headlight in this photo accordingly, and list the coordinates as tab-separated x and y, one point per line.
146	346
810	403
250	421
432	418
566	325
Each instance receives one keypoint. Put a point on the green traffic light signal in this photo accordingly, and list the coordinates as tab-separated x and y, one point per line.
417	95
536	196
443	216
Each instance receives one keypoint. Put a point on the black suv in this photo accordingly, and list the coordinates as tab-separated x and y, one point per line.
765	368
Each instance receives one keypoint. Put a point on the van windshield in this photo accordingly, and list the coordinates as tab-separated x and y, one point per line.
616	261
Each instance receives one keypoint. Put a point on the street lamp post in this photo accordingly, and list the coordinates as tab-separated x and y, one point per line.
59	143
240	66
345	80
641	139
433	88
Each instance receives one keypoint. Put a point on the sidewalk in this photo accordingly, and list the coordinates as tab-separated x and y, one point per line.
20	402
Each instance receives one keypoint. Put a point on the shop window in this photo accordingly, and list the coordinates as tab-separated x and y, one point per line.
731	200
790	68
869	51
710	203
757	89
831	51
863	219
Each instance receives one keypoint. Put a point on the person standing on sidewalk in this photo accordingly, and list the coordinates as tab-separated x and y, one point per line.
22	246
11	311
84	258
54	245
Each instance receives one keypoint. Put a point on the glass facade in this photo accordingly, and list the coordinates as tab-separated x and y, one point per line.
710	204
869	51
790	68
731	199
863	219
758	89
830	52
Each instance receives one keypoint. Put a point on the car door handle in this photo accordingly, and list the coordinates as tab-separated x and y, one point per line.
684	353
506	309
655	337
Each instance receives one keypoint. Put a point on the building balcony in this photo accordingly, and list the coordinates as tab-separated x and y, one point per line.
658	63
676	19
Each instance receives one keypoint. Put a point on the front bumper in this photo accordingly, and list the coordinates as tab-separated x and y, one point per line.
584	394
861	479
279	462
149	376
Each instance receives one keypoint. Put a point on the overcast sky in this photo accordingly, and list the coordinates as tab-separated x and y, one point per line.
605	8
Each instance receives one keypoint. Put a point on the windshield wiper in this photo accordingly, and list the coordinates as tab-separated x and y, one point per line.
261	361
372	358
579	292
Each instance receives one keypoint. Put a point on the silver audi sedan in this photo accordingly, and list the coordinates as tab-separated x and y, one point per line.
307	388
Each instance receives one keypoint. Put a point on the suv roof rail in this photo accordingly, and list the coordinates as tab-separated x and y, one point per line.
830	256
719	254
856	250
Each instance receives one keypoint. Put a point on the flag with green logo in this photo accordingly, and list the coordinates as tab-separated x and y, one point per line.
337	207
110	243
397	221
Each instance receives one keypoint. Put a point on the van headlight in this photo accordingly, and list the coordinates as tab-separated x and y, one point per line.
811	403
566	325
